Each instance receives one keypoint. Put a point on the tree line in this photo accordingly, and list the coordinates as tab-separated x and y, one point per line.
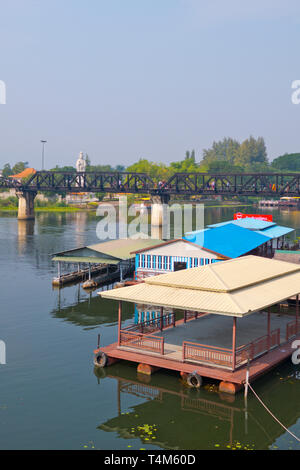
224	156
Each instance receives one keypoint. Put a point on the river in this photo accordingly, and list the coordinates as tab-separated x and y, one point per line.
50	395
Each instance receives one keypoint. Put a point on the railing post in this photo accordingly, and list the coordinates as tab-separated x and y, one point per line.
119	322
183	351
161	318
162	346
234	343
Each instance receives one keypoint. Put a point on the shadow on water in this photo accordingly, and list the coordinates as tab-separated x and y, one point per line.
165	407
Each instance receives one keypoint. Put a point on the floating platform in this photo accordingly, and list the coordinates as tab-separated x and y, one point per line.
257	368
78	276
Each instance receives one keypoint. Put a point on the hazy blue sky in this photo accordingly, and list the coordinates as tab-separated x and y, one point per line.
124	79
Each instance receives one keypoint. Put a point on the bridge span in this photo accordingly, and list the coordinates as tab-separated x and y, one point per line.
183	184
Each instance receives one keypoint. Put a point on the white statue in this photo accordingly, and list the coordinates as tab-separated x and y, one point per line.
81	163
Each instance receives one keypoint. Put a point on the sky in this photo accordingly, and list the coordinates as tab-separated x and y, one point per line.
122	80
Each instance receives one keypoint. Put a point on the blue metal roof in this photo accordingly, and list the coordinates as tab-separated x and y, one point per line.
230	240
276	231
248	222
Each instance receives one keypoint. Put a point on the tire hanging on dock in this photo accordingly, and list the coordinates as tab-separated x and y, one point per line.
194	380
100	359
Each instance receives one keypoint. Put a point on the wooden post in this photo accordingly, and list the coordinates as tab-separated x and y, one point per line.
297	312
119	322
233	343
174	319
184	316
161	318
269	328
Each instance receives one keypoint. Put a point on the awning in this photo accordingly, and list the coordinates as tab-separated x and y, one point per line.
85	259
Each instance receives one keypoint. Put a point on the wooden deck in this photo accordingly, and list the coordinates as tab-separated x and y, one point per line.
172	361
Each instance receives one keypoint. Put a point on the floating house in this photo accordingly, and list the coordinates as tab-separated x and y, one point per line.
275	232
167	257
111	260
224	315
230	240
172	255
235	238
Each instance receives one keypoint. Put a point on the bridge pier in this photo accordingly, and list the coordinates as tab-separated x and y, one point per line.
157	214
26	204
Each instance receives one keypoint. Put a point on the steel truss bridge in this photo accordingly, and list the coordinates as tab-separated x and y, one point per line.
190	184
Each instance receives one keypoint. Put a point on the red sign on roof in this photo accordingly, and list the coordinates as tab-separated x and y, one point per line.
265	217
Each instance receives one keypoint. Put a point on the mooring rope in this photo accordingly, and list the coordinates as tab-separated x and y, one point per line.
273	416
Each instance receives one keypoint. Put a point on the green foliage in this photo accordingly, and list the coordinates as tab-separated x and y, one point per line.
157	171
19	167
7	171
250	155
287	162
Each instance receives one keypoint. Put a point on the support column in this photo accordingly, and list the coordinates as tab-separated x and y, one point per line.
26	204
269	327
297	312
161	318
157	214
90	274
119	322
233	343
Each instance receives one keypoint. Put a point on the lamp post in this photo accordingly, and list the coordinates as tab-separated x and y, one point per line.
43	142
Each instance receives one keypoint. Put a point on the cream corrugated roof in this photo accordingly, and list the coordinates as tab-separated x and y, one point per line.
123	247
237	287
226	276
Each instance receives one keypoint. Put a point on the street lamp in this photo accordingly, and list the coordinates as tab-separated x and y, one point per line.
43	142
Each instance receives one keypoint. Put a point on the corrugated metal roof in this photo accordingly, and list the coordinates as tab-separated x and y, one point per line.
120	249
230	240
247	222
276	231
123	248
226	276
236	287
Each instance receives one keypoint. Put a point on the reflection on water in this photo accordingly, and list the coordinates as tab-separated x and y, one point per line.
88	309
169	415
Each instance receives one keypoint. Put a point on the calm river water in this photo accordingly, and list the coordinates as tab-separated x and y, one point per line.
50	395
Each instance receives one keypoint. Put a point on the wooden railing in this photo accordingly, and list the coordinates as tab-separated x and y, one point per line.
137	340
257	347
292	329
224	357
153	324
206	354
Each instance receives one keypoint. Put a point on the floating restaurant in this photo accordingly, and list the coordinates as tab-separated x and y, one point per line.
109	261
221	318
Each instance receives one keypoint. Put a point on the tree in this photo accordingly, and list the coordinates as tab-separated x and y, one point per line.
226	149
251	155
7	171
19	167
287	162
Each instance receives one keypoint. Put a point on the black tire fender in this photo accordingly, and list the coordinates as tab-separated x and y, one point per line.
194	380
100	359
